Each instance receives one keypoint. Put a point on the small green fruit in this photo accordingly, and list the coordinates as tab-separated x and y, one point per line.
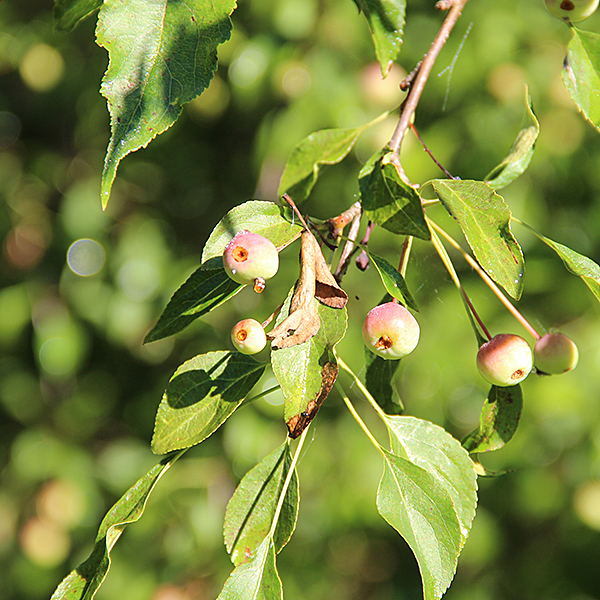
555	353
505	360
572	10
250	258
390	331
248	336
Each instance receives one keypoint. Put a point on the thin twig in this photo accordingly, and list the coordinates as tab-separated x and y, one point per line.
362	260
433	158
349	249
337	224
417	86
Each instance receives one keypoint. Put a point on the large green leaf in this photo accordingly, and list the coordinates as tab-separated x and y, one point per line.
499	420
306	372
432	448
519	157
250	512
265	218
379	380
83	582
417	505
577	263
67	13
393	281
484	218
256	579
201	395
389	202
203	291
581	73
386	20
163	53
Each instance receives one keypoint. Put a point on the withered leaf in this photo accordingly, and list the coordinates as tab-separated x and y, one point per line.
315	281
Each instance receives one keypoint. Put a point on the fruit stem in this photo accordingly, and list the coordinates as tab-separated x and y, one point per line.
406	247
349	247
272	316
295	209
433	158
361	386
357	418
286	483
450	268
262	394
497	291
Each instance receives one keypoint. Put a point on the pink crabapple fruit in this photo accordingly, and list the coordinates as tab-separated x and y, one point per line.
555	353
390	331
248	336
505	360
250	258
572	10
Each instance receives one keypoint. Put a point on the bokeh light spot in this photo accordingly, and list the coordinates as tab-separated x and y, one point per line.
10	129
587	504
85	257
247	69
41	67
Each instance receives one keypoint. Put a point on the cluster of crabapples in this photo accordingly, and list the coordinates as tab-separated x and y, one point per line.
390	330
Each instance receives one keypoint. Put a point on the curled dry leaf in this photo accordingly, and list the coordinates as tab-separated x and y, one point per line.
315	281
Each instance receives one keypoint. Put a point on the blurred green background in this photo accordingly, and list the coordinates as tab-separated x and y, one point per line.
80	288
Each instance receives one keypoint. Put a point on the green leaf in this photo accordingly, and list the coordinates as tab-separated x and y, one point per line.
578	264
163	53
498	421
201	396
265	218
203	291
324	147
393	281
389	202
379	379
484	218
418	506
250	511
520	154
256	579
386	21
432	448
67	13
581	73
83	582
306	372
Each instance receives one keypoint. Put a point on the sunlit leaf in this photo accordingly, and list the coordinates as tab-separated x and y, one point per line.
393	281
163	53
379	379
386	20
201	395
578	264
250	511
256	579
432	448
203	291
389	202
520	154
324	147
484	218
265	218
498	421
84	581
581	73
418	506
306	372
67	13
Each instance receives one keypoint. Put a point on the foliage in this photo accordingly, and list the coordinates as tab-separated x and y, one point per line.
162	56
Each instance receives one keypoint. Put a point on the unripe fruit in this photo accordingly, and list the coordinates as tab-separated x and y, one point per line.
505	360
390	331
250	258
248	336
555	353
572	10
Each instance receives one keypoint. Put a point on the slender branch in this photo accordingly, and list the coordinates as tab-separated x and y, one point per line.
433	158
262	394
497	291
417	86
337	224
406	247
349	249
